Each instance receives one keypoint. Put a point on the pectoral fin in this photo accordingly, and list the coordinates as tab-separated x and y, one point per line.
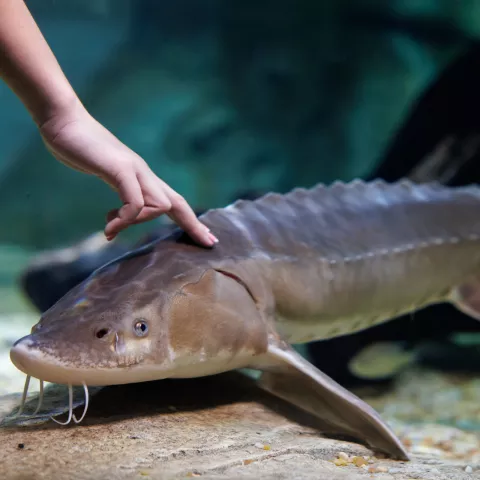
466	297
294	379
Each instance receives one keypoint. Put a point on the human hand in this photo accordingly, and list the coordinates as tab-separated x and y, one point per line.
80	142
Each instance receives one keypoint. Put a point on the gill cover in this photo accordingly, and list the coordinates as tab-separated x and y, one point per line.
216	315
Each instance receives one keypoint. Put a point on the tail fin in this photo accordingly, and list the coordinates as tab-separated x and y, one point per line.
297	381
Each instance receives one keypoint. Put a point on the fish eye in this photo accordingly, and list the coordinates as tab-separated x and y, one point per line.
140	328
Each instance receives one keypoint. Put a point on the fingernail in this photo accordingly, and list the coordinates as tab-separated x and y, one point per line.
213	238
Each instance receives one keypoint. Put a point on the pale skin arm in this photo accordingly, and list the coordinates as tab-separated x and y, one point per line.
75	138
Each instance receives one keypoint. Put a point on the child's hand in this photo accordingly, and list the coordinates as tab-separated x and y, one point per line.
79	141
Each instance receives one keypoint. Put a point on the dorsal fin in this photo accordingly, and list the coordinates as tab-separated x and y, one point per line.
348	219
377	189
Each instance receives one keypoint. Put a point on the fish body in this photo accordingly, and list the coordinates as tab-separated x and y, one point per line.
294	268
343	258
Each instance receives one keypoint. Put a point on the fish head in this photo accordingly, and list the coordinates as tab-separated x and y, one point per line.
152	316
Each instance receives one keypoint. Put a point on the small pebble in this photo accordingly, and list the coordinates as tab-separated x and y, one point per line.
340	462
359	461
344	456
468	469
379	469
407	442
425	450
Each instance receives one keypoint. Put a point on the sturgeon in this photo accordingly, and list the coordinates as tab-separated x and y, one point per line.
289	269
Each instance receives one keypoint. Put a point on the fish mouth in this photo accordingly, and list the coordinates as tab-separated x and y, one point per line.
37	363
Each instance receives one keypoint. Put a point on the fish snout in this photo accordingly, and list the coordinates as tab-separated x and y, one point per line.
33	360
20	340
21	353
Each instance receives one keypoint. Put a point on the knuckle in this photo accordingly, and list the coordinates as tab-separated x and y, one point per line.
131	211
164	205
122	175
179	201
171	202
137	204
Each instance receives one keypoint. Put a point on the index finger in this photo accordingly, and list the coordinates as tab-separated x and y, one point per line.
183	215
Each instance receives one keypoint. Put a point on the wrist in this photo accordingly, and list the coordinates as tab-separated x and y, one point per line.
56	117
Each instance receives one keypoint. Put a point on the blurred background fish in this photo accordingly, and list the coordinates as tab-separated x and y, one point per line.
381	360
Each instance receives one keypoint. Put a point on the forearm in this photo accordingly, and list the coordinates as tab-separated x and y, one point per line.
29	67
